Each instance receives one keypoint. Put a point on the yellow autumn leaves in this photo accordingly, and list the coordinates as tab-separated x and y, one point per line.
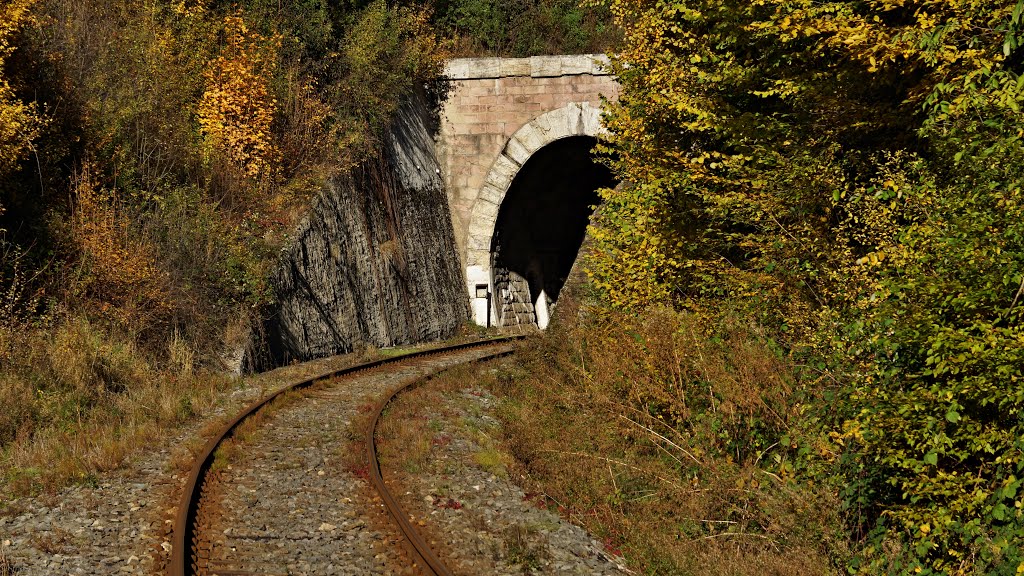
19	122
236	112
120	268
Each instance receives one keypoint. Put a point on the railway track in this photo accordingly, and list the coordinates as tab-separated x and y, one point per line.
284	503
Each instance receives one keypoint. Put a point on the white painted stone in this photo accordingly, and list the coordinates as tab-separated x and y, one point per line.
531	137
573	121
543	123
482	225
540	308
491	194
564	124
537	67
478	257
480	241
517	151
559	121
484	68
502	172
515	67
457	69
479	306
576	65
545	66
478	275
592	121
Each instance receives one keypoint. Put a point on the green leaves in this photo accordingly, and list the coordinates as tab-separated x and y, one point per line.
847	175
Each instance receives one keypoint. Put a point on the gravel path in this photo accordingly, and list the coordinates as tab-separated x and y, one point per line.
479	520
121	523
292	502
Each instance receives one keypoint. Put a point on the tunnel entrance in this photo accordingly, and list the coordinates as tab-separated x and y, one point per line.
540	227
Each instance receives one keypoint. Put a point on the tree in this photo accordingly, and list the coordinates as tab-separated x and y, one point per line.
847	174
237	109
19	122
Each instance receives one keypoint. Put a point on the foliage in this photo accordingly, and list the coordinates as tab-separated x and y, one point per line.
935	448
385	51
117	267
237	109
848	175
182	142
19	122
670	441
525	27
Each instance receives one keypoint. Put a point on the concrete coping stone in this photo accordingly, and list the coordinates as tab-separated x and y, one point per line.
534	67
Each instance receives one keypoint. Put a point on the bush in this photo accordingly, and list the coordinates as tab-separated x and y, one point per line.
675	443
525	27
848	175
933	451
162	193
19	122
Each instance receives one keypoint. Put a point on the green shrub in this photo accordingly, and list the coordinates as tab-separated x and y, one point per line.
848	175
934	450
525	27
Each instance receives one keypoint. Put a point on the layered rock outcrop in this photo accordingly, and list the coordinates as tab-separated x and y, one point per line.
374	263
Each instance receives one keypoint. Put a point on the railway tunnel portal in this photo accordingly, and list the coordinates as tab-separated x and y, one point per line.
515	152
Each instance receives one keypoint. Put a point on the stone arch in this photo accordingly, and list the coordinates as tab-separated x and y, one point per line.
576	119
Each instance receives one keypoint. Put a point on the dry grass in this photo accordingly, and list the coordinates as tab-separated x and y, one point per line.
664	441
610	432
6	566
79	401
407	434
525	548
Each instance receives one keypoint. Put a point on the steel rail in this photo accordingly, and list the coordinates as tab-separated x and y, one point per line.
429	560
184	522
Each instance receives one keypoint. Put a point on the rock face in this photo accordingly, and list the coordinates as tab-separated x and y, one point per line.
375	262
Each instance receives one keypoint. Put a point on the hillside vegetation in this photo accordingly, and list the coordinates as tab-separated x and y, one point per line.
807	297
800	347
154	157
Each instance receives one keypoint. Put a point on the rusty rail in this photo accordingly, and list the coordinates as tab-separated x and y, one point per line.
181	561
429	560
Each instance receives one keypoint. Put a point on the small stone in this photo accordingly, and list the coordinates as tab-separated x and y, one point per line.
166	546
325	527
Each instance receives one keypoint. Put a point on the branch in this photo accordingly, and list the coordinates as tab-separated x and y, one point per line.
666	440
621	463
1017	297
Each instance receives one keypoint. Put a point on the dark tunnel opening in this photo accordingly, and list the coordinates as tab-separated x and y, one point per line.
541	226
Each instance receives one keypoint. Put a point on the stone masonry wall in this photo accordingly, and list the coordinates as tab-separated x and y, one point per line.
493	98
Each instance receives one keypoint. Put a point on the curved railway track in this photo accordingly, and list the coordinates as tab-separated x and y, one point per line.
191	548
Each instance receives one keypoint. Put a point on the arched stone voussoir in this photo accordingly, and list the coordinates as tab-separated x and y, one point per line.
577	119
